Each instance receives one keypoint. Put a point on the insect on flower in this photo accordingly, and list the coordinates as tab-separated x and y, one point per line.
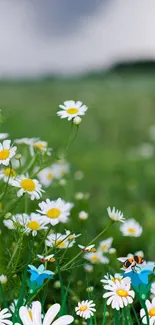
89	248
131	262
49	258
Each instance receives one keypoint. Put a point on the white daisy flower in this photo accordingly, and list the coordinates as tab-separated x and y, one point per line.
4	315
152	290
32	223
27	185
3	279
35	317
60	168
131	228
4	136
116	276
119	294
55	211
83	215
6	152
151	312
115	215
96	257
85	309
105	245
40	145
15	221
46	176
27	141
55	171
59	240
88	267
7	173
70	109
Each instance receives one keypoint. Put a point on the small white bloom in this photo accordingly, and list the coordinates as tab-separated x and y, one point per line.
77	120
7	173
131	228
6	152
3	279
112	250
28	185
85	309
105	245
96	257
4	315
59	240
32	223
4	136
83	215
55	211
115	215
119	294
79	196
116	276
70	109
42	146
88	267
151	312
36	317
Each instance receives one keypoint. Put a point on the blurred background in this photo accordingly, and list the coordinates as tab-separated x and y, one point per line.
100	52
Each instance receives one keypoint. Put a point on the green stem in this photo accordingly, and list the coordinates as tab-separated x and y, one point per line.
7	184
135	314
116	313
104	312
30	165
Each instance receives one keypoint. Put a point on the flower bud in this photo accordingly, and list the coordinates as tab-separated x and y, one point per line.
77	120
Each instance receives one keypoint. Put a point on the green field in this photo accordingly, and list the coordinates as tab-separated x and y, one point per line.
121	109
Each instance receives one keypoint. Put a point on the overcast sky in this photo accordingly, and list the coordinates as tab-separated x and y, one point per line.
73	36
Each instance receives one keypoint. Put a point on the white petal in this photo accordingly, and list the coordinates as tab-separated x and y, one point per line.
51	314
64	320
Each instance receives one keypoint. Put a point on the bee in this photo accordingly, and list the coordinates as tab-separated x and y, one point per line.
48	258
131	261
89	249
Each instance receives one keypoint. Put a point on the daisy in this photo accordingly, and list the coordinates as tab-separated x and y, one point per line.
59	240
96	258
70	109
3	136
55	211
46	176
115	215
119	294
116	276
4	315
7	173
32	223
85	309
27	141
131	228
88	267
151	312
27	185
35	317
105	245
55	171
6	152
42	146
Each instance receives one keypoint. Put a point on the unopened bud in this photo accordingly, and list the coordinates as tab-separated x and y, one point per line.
18	156
8	215
77	120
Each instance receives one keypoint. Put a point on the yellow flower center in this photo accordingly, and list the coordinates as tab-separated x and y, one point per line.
122	293
39	145
33	225
152	312
94	258
49	176
72	110
9	172
30	314
4	154
28	185
103	247
53	213
83	308
131	230
60	243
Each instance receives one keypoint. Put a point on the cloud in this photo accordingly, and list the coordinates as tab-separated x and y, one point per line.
73	39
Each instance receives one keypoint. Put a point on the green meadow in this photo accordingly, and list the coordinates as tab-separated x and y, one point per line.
121	111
